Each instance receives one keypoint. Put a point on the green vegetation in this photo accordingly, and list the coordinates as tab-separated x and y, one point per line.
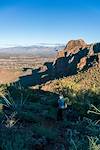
93	144
28	117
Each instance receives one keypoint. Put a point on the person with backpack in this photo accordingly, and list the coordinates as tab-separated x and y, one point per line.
61	106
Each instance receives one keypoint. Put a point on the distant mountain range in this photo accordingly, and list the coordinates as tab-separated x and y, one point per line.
39	49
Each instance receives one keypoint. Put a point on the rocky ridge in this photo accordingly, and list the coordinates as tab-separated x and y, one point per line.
77	55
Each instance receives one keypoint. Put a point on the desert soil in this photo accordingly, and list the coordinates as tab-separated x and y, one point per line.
7	76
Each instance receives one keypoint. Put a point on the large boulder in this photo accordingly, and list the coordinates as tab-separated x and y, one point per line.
72	47
75	43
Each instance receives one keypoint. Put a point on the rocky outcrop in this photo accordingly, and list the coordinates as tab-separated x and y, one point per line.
77	55
75	44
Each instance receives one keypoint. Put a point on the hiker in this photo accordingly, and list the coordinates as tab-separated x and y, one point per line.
61	106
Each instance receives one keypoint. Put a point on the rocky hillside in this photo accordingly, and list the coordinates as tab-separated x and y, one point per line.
77	55
30	121
28	114
86	80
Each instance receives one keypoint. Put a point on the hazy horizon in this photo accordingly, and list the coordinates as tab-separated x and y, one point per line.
34	44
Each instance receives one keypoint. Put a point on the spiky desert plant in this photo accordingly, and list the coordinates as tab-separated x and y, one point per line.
93	143
7	97
95	111
15	107
10	120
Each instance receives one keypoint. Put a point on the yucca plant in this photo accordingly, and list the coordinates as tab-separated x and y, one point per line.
14	107
11	120
9	100
95	111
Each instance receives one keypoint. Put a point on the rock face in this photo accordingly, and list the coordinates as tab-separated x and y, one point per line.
72	47
76	55
75	44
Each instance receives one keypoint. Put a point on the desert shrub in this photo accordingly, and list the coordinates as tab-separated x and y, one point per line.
33	106
29	116
72	138
49	133
3	88
52	102
51	113
35	109
13	139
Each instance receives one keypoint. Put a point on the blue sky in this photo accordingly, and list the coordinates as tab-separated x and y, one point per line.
25	22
